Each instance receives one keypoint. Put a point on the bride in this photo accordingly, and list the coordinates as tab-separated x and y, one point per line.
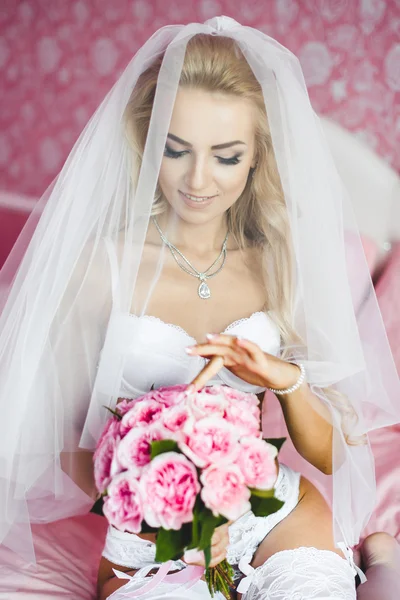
195	236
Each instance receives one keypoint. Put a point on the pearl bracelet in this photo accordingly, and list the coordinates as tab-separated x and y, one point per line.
295	386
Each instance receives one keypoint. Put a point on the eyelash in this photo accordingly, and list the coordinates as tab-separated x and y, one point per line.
168	152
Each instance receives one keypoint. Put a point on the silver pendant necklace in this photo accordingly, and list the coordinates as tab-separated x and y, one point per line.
203	290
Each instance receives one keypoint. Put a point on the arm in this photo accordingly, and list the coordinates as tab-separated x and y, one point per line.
310	432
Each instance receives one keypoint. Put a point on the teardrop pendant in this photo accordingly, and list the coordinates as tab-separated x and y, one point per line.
204	290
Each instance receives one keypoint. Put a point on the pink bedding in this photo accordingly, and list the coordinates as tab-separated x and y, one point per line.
388	294
68	554
386	442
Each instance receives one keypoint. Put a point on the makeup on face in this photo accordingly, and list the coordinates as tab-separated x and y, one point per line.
208	153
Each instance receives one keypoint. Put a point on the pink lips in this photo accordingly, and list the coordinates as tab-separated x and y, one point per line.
193	204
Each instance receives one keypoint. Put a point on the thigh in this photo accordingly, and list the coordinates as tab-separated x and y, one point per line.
309	524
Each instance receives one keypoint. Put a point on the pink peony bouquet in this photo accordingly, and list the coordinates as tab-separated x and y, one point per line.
181	464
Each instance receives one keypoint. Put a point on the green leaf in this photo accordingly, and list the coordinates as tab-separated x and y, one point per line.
197	509
113	412
161	446
171	544
207	556
277	442
208	523
262	493
262	507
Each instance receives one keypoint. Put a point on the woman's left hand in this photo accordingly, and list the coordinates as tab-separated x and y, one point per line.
245	360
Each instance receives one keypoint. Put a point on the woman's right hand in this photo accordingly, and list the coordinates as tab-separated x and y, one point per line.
219	544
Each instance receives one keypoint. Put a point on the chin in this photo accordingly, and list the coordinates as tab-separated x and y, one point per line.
190	215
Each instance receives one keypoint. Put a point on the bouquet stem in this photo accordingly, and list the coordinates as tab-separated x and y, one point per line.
220	579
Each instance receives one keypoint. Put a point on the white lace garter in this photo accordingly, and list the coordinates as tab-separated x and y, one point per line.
302	574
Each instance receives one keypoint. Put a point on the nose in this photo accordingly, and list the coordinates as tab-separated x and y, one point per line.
198	178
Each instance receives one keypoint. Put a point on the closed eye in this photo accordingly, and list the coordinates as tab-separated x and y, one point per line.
234	160
172	153
169	153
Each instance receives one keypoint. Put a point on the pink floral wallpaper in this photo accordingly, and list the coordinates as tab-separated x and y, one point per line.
58	58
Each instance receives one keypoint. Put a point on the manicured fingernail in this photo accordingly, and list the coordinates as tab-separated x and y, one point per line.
211	336
189	350
190	389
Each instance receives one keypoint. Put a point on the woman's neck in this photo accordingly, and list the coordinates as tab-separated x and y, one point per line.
201	239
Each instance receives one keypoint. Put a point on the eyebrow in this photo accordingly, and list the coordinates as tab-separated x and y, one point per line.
171	136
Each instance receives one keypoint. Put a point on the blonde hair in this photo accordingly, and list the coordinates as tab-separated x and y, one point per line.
259	218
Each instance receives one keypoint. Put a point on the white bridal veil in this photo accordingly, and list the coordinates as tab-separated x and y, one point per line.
63	334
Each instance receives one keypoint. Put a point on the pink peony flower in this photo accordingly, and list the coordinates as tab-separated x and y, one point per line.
123	507
257	463
124	405
245	419
169	486
104	455
176	417
208	401
112	428
169	396
143	412
210	440
237	396
134	449
224	491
